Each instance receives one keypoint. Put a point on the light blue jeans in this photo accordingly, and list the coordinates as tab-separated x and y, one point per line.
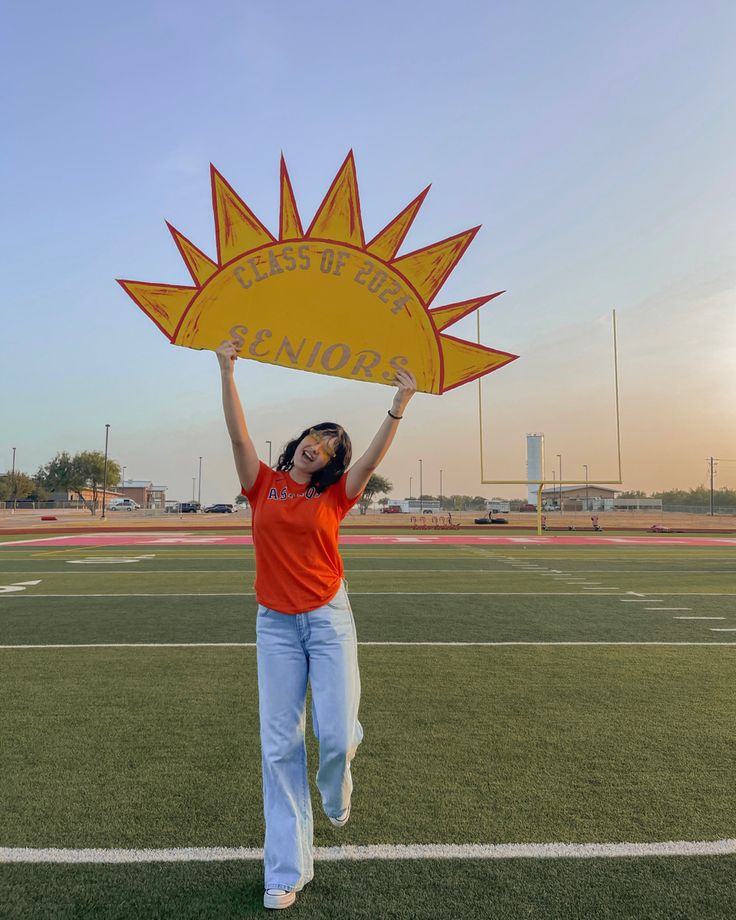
319	647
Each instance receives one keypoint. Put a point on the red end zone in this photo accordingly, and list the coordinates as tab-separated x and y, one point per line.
167	539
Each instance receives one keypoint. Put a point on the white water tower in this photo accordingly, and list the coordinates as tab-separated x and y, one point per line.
534	463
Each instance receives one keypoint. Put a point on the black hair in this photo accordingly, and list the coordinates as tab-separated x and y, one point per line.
337	465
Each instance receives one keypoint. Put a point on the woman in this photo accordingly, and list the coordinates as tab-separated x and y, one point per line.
304	627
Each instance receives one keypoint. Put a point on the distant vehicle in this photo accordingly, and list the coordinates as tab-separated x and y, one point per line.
490	520
122	504
428	511
189	507
220	508
528	507
660	528
391	509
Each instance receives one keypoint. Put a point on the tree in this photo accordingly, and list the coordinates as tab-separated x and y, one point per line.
240	499
384	501
375	485
61	474
20	487
90	466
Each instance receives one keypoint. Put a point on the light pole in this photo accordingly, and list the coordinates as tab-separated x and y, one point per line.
122	484
269	452
194	480
587	503
440	490
410	482
104	473
420	482
199	490
559	457
554	484
12	479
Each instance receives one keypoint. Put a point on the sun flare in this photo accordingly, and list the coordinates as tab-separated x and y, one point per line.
324	300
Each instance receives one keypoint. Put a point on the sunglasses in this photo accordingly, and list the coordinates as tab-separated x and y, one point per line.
322	443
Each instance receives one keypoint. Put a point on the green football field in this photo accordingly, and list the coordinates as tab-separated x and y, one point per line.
545	696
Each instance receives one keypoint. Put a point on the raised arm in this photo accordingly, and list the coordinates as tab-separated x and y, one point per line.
360	472
244	452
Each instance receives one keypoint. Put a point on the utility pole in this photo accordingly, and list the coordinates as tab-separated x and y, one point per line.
711	464
194	480
199	491
410	481
440	490
420	482
587	503
104	474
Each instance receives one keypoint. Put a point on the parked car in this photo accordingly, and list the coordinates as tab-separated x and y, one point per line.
122	504
220	508
391	509
499	520
189	507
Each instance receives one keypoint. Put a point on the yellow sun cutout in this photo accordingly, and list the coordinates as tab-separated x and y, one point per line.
323	301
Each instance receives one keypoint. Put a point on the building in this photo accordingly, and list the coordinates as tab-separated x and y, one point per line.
578	498
144	492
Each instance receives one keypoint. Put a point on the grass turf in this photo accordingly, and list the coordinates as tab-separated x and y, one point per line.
159	746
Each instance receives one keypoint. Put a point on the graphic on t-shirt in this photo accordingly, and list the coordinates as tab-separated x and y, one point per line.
322	300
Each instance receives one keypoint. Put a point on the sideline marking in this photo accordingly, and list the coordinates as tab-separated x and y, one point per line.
379	851
692	618
253	645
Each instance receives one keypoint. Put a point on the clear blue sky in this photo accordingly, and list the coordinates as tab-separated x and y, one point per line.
594	142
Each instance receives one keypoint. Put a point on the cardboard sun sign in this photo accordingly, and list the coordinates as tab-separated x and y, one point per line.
325	300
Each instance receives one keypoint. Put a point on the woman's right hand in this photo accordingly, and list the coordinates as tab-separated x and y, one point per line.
227	355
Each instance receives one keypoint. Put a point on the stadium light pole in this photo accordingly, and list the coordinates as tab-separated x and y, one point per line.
12	479
104	472
199	490
194	480
587	503
410	482
269	452
440	490
420	481
559	457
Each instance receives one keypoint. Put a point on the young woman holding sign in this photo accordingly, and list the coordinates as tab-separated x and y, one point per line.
304	629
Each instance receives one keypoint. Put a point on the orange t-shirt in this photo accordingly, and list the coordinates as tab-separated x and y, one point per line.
295	532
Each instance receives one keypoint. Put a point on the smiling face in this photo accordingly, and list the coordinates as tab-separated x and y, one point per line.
314	452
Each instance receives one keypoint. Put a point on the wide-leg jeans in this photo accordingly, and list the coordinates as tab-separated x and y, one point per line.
320	647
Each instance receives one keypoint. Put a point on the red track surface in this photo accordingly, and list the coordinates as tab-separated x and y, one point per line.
191	539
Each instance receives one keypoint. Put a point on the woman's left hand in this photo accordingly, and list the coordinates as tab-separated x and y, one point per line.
407	387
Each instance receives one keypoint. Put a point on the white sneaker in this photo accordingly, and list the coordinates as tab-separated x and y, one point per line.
342	819
278	899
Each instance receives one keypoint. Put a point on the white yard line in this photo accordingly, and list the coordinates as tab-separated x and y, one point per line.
722	629
399	644
351	593
624	600
378	851
692	618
